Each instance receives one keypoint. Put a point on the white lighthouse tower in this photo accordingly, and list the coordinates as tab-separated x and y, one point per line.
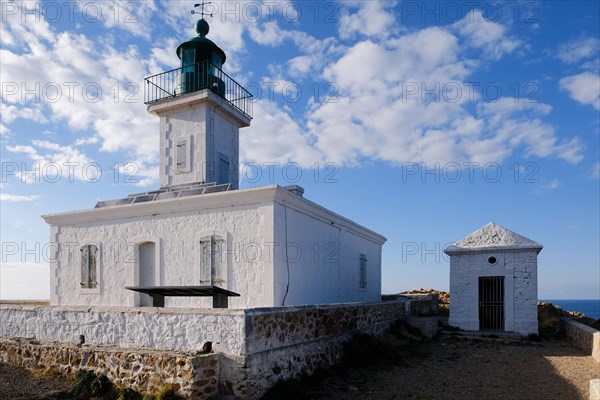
201	110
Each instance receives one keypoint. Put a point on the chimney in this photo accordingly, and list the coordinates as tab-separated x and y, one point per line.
296	189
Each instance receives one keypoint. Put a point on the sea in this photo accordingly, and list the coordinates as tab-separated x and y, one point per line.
591	308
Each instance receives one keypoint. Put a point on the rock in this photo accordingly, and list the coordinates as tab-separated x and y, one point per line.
549	326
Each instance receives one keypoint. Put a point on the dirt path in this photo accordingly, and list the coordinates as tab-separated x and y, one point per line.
20	384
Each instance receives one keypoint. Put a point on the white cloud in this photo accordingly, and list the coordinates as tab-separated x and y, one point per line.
595	171
553	185
269	35
11	112
275	136
4	131
374	114
103	92
132	16
548	186
373	19
481	33
51	159
384	123
84	141
584	88
163	56
17	198
507	106
138	173
576	50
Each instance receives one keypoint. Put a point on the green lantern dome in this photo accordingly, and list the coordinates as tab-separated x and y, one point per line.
202	27
201	63
200	48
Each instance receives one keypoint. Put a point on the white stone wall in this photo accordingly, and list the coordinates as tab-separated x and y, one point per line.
177	238
225	139
187	124
162	329
519	267
210	127
323	261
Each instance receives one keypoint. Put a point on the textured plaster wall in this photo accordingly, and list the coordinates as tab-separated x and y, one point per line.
225	140
177	236
520	284
208	133
187	124
324	261
127	328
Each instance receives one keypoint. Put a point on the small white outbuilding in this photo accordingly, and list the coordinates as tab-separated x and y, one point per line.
493	281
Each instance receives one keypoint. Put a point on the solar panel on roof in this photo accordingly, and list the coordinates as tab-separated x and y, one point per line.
168	192
217	188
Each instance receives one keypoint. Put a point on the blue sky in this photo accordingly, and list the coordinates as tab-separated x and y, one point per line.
420	120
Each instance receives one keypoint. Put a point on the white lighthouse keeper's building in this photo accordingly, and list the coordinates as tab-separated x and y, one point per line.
493	281
197	236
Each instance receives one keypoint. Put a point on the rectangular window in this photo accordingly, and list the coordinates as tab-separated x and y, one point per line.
89	262
211	265
363	271
181	155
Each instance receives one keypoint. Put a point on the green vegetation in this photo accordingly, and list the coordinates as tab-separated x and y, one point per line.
87	383
127	394
167	393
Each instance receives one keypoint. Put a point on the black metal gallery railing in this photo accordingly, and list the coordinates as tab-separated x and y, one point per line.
191	78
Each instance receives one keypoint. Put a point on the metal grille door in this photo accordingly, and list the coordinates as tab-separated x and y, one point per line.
491	303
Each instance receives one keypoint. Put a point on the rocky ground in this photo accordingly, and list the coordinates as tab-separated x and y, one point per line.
456	369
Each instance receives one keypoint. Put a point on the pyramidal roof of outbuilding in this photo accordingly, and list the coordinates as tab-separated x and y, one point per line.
493	237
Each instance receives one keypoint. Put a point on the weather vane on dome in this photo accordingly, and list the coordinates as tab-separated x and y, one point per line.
202	13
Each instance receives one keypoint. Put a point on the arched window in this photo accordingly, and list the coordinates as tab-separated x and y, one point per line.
89	266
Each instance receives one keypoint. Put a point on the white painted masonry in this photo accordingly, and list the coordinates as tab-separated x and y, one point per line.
252	223
515	259
208	128
132	328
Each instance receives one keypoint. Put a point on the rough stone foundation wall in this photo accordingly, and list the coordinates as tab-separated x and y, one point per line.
285	343
584	337
271	328
266	346
147	371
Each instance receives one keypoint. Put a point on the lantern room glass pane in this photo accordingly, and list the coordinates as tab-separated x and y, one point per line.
216	60
188	58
